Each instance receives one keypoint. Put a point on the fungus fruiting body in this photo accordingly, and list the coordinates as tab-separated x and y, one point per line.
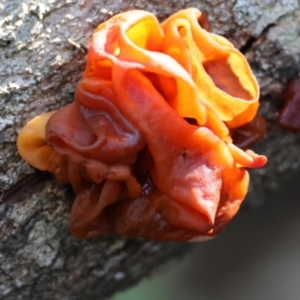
289	117
250	133
147	142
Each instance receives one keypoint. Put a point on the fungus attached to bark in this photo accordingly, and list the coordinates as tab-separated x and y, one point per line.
146	145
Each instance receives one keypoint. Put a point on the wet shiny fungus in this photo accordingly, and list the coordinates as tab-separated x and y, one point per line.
147	142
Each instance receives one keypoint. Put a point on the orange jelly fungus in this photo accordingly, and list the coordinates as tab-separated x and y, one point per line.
289	116
146	144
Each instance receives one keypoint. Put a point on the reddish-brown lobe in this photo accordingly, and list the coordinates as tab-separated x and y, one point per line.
250	134
289	117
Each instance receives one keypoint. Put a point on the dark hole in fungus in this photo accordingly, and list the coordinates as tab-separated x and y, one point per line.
192	121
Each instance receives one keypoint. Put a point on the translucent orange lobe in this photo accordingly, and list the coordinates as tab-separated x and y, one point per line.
147	144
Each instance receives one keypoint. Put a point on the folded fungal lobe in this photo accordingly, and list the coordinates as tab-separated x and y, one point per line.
147	142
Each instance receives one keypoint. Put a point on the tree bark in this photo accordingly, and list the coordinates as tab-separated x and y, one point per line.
42	54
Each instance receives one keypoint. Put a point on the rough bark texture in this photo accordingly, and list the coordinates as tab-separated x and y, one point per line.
42	56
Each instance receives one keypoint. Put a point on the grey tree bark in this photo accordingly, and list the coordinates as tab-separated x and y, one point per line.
42	57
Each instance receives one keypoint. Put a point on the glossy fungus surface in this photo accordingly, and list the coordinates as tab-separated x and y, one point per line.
250	133
289	116
147	142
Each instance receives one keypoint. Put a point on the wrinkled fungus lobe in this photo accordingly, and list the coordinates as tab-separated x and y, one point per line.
289	116
147	142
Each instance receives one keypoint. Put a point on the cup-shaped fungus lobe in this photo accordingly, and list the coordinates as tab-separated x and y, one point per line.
147	142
